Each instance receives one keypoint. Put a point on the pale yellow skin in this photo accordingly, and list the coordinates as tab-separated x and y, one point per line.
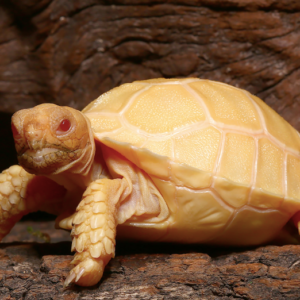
191	161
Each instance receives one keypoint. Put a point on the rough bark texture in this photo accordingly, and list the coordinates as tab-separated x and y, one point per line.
70	51
150	271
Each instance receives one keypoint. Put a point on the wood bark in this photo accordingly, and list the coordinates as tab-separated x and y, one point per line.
149	271
69	52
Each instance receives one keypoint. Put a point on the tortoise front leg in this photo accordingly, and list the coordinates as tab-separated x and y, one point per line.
94	230
21	193
13	189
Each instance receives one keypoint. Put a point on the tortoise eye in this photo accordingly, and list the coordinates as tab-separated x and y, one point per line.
64	125
15	131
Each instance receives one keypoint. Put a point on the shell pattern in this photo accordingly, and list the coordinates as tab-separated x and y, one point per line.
218	155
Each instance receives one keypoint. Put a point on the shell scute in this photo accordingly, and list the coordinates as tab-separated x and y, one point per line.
290	203
174	108
124	149
239	229
293	177
185	175
277	127
161	147
237	158
270	164
205	148
156	165
114	100
102	123
207	214
126	135
263	199
227	105
231	192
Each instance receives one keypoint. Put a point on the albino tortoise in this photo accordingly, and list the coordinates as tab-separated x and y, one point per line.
189	161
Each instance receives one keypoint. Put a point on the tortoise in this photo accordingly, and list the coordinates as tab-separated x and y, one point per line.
172	160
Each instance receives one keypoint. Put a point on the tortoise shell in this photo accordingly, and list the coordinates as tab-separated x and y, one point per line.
226	164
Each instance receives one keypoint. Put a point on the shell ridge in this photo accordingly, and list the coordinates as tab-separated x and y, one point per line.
219	155
260	209
100	114
129	102
220	200
213	192
285	176
191	128
228	223
168	82
161	136
223	126
260	135
200	100
225	205
254	171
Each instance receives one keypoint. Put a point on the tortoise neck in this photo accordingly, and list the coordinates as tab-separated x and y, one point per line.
99	169
83	164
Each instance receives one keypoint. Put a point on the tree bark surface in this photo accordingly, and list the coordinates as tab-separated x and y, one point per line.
30	270
70	51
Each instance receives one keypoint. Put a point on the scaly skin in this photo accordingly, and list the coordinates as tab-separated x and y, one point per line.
21	193
94	231
13	186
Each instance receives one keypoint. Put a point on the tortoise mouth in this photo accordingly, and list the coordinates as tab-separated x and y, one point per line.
40	155
44	161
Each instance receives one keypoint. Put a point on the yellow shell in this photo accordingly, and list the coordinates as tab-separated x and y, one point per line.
226	164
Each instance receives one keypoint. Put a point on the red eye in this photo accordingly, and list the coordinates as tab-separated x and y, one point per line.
14	131
64	125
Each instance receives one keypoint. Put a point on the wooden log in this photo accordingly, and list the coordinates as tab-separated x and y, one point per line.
151	271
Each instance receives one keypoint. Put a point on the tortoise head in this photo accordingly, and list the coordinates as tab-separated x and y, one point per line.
50	139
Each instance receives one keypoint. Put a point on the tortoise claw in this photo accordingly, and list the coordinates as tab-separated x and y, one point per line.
74	276
86	273
80	273
69	279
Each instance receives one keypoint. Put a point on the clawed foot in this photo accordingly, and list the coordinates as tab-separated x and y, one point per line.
86	273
